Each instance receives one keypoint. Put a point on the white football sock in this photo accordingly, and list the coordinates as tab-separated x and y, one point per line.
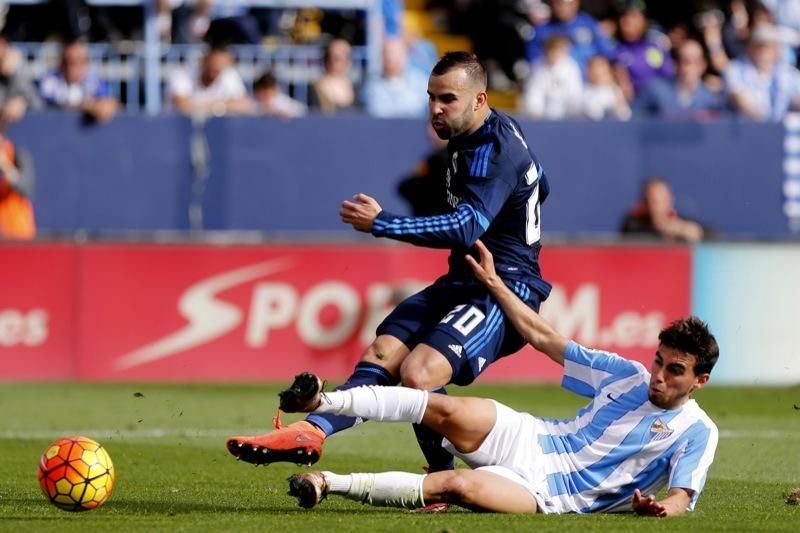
387	489
374	402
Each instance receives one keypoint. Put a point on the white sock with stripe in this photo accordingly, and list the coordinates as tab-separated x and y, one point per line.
374	402
387	489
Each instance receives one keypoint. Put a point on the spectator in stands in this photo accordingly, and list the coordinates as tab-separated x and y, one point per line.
685	96
656	216
553	90
16	185
744	19
641	54
785	12
215	89
785	15
712	26
75	85
401	91
218	22
17	93
164	18
334	90
602	98
585	34
483	20
271	101
760	86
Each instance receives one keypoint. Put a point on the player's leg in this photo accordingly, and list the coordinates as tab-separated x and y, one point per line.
474	489
464	421
426	368
302	441
379	365
445	353
381	362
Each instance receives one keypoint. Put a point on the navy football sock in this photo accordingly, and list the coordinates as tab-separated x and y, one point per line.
364	374
430	442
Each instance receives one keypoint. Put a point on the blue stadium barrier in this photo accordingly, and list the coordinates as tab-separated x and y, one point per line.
131	174
727	174
140	173
280	176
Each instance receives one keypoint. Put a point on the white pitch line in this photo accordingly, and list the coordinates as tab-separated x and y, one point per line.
169	433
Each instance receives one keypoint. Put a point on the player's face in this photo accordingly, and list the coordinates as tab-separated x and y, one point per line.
672	377
452	102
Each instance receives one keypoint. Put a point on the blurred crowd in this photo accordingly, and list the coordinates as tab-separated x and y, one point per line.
616	59
561	59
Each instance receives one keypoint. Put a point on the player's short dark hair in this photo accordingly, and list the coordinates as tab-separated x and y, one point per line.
465	60
691	335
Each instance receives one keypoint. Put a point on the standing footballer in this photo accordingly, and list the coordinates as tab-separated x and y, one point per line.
454	329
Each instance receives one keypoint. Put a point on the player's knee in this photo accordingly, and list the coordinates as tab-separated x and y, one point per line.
416	377
441	408
458	486
425	373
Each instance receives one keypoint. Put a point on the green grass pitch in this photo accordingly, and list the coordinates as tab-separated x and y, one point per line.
173	473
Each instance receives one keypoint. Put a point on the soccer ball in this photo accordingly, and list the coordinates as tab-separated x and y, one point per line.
76	474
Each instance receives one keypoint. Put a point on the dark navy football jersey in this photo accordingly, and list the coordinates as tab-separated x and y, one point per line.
495	186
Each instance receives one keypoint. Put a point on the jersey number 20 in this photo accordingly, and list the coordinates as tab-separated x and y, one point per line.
467	321
532	225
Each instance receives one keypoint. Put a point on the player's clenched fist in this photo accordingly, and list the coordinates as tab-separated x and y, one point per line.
360	212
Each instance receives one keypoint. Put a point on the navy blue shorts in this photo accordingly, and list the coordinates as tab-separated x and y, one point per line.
462	321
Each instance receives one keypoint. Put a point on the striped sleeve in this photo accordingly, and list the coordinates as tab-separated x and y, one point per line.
689	467
460	228
586	371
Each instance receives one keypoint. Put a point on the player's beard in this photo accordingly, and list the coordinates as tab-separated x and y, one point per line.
447	130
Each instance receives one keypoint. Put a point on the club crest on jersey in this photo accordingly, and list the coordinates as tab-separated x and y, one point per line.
660	430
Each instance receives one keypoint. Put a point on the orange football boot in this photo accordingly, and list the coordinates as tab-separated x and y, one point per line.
299	442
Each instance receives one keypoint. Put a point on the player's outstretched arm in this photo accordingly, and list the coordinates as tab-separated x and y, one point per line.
674	504
536	331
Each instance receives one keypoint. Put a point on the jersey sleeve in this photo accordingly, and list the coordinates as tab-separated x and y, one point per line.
460	228
586	371
486	191
689	466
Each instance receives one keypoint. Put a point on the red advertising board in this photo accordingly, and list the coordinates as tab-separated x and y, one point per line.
238	313
250	313
614	298
37	311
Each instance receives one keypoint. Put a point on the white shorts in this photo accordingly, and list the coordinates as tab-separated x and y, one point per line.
512	450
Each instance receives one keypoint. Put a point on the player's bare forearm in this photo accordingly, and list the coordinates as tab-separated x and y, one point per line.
675	504
536	331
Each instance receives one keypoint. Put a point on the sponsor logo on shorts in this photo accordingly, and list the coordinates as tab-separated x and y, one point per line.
481	362
456	349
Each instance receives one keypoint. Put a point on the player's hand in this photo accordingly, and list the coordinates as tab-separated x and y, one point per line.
647	505
360	212
484	270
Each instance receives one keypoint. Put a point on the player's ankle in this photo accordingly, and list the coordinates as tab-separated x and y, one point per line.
316	428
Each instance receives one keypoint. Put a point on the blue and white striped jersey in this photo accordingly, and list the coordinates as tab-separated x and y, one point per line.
495	186
621	441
